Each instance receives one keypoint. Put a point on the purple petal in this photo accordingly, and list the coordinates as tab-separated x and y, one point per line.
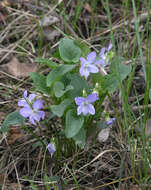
102	52
79	110
82	68
85	109
91	109
23	103
38	104
110	47
51	148
25	94
110	122
92	97
100	62
31	119
25	112
93	68
36	116
31	97
84	72
41	114
91	57
83	61
79	100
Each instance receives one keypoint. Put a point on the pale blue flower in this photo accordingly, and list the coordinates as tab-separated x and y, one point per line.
88	66
104	59
31	108
84	104
110	122
51	148
26	100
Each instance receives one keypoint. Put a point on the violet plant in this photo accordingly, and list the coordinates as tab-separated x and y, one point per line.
31	108
88	66
76	89
84	104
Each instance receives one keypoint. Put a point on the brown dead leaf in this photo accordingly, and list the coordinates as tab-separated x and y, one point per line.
16	186
3	179
48	21
14	134
2	115
3	17
88	7
5	3
17	69
3	12
50	33
103	135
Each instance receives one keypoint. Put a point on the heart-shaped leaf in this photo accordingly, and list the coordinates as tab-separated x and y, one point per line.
57	72
78	85
12	119
59	109
59	89
73	123
118	72
69	51
40	82
80	138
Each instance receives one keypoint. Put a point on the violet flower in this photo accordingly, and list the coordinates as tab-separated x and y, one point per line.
104	59
51	148
31	108
88	66
84	104
110	122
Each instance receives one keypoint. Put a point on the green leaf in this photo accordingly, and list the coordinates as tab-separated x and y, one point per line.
96	78
119	72
110	83
69	87
68	50
57	54
59	109
80	138
33	186
40	82
78	84
47	62
73	123
59	89
12	119
57	72
85	50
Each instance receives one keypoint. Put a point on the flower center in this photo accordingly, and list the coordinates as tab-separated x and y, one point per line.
85	65
85	103
34	112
